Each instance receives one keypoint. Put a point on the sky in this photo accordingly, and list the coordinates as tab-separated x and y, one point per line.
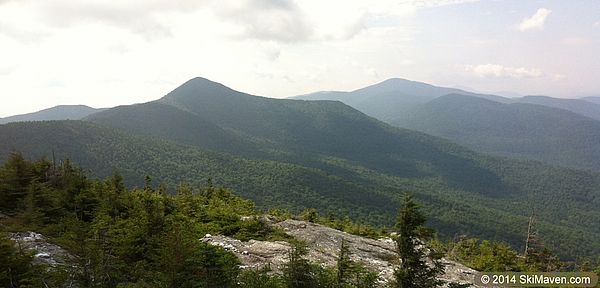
106	53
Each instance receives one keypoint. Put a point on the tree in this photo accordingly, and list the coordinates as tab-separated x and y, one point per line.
351	274
414	271
343	264
15	175
537	257
310	214
297	272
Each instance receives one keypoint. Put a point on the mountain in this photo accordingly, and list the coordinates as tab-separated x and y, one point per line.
593	99
517	130
548	131
392	97
507	94
322	154
583	107
61	112
302	132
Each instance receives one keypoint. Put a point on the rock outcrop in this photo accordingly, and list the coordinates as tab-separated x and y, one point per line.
45	252
323	245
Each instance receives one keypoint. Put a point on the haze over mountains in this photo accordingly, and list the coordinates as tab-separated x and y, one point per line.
326	155
523	127
593	99
61	112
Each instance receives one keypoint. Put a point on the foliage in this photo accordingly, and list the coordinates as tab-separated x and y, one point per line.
484	255
414	271
301	165
123	237
144	237
350	274
495	256
15	264
520	130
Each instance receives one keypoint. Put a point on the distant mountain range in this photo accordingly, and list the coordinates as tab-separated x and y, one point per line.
61	112
593	99
585	106
388	99
518	130
567	135
326	155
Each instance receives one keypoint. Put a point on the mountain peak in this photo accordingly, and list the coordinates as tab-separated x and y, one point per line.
60	112
396	85
202	83
199	87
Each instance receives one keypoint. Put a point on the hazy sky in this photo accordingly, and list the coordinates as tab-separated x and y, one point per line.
101	54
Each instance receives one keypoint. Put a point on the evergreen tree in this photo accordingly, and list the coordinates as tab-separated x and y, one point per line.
344	265
310	214
297	272
15	176
351	274
414	271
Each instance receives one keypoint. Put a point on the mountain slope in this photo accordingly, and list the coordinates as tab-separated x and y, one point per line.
568	200
168	122
582	107
102	151
305	132
392	97
61	112
486	123
326	155
593	99
518	130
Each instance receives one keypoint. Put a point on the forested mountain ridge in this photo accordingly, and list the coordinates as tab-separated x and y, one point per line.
61	112
518	130
303	132
593	99
556	131
59	227
581	106
322	154
388	99
392	98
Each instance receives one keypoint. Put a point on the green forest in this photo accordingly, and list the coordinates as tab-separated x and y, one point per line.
490	203
149	237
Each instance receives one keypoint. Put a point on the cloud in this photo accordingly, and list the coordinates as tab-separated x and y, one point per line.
267	20
558	77
6	69
575	41
372	72
140	17
536	21
21	34
499	71
278	20
314	20
597	24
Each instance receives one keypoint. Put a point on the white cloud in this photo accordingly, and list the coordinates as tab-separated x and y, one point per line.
559	77
7	69
575	41
499	71
597	24
536	21
280	20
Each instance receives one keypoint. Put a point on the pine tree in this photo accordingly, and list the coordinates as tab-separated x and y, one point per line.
15	176
297	272
344	265
414	271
